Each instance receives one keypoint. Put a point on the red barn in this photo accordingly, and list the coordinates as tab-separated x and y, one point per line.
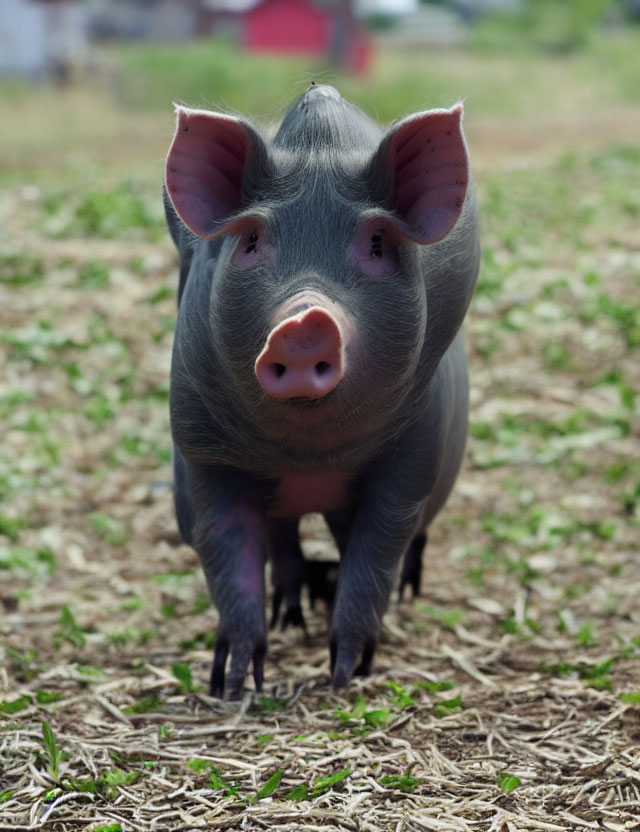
299	27
290	26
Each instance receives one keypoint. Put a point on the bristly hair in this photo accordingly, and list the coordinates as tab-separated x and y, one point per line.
322	119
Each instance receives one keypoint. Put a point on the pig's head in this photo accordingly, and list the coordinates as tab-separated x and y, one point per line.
318	294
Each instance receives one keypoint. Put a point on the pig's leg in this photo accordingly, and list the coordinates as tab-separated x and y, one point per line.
287	574
229	534
321	577
181	498
367	572
412	566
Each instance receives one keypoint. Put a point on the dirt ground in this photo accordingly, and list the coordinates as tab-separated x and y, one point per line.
504	699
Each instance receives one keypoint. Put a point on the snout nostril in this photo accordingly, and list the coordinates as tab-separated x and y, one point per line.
322	367
279	370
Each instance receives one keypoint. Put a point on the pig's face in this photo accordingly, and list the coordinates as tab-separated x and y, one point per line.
317	304
319	314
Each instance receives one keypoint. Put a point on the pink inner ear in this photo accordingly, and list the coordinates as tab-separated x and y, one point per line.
430	171
205	167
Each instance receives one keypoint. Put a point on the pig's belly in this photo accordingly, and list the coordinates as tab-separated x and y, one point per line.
299	494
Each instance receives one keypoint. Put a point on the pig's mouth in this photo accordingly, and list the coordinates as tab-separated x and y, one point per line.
306	403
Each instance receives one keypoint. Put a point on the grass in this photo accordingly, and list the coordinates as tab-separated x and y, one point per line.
525	645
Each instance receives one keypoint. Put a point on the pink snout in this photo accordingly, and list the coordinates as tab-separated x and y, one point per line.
303	356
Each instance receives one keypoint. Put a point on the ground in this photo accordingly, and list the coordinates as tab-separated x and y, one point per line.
504	699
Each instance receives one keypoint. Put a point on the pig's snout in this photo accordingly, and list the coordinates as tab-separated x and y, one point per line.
303	356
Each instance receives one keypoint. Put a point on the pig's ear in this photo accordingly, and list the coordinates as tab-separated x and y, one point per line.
423	159
206	166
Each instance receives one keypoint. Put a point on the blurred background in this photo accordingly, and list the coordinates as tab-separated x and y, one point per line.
91	81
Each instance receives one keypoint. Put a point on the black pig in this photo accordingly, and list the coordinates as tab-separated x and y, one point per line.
319	363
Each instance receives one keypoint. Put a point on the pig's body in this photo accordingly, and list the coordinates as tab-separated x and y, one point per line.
319	364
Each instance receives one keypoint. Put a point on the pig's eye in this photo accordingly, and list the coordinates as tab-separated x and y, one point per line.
253	247
252	243
376	243
374	249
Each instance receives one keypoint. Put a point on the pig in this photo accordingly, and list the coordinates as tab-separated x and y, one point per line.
319	359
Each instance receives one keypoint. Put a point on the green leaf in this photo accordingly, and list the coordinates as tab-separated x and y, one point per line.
323	784
144	705
377	718
632	698
182	672
271	785
51	747
43	697
271	703
508	782
5	796
299	792
197	765
403	782
111	778
69	629
401	698
15	705
217	782
435	687
448	706
359	708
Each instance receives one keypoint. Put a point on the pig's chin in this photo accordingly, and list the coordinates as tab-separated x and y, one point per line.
319	425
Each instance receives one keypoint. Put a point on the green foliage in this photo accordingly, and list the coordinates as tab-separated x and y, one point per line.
52	750
552	26
446	707
13	706
299	792
122	211
94	275
595	675
110	529
20	269
325	783
507	782
35	562
449	619
198	765
402	782
68	629
109	780
632	698
44	697
435	687
401	698
182	673
217	783
270	786
268	704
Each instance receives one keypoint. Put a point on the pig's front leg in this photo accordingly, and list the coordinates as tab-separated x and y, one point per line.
384	526
229	535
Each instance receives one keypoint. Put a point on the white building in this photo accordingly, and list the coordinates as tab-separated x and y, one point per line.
37	37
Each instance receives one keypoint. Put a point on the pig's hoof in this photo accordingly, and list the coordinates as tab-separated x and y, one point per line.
412	581
344	658
241	654
412	567
293	616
